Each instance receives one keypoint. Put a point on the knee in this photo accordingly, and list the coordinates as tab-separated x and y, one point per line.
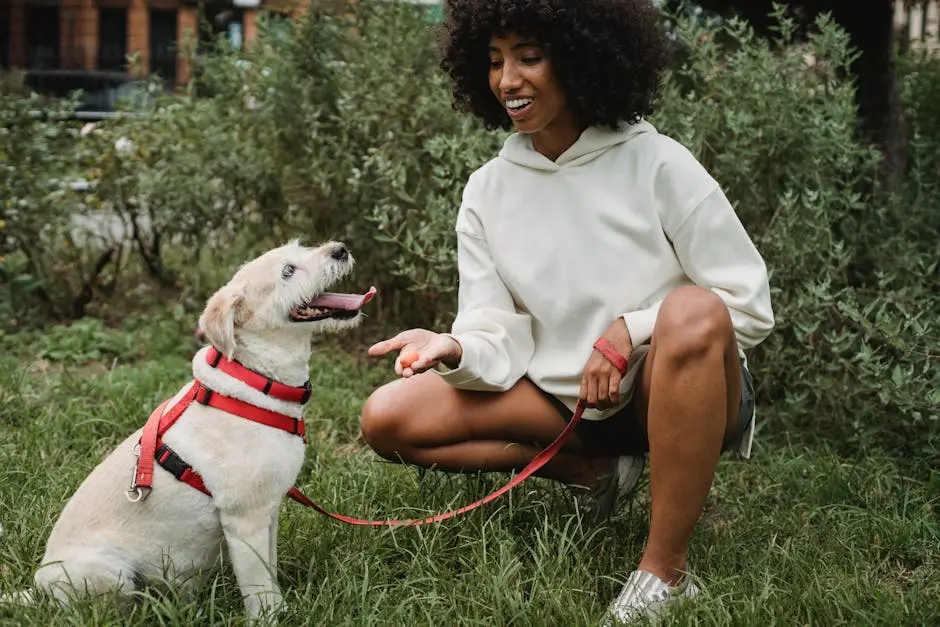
693	323
382	422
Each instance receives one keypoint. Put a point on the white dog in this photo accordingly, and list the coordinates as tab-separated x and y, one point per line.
109	538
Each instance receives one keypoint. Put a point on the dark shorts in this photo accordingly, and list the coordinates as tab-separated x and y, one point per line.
623	434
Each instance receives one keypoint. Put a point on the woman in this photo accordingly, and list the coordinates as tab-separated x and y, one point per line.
588	224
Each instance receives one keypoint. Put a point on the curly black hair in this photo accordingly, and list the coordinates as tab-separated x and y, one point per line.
608	55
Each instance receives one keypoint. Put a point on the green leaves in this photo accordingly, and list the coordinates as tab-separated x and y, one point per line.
854	352
339	125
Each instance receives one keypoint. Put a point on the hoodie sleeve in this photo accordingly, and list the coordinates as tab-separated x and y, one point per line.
712	246
496	339
640	323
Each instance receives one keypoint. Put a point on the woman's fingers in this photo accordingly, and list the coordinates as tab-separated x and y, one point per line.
387	346
592	389
600	385
613	388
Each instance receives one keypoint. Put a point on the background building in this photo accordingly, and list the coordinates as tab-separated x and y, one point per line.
90	36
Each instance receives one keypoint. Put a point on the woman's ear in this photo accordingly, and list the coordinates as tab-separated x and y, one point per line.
217	321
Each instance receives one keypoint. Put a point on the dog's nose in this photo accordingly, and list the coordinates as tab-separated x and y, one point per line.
340	252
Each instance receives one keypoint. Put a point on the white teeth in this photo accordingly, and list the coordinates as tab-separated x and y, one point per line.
517	103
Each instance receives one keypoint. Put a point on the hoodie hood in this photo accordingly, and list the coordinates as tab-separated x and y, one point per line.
592	143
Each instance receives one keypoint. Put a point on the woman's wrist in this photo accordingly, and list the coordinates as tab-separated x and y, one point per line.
453	357
618	334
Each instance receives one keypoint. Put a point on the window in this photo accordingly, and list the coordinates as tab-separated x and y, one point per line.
42	37
221	20
112	39
275	25
5	36
163	44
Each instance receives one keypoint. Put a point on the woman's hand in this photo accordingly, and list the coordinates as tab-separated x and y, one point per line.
600	381
419	350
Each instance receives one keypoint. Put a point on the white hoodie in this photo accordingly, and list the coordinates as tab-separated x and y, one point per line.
549	253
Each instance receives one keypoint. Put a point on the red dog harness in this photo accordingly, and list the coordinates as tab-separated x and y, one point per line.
152	449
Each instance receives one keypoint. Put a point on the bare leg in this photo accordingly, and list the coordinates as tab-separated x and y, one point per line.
424	421
689	399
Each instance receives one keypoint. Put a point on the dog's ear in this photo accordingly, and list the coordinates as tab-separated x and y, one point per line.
217	321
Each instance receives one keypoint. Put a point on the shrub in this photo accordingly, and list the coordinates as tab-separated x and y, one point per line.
775	122
339	125
357	114
919	79
191	171
50	260
83	202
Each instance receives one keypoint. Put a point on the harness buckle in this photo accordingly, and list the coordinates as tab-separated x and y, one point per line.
203	394
307	390
215	357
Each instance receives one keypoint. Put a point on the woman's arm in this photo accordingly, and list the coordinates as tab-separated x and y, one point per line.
495	339
710	243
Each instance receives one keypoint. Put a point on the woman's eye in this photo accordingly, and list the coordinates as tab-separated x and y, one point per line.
288	271
495	65
531	60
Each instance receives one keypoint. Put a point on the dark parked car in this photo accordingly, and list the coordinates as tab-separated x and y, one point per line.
101	92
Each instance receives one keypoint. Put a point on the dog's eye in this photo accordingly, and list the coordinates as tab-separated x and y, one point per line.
288	271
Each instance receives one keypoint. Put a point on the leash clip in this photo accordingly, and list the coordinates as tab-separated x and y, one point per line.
135	493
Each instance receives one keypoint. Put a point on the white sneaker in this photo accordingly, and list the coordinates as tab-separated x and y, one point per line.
600	503
645	594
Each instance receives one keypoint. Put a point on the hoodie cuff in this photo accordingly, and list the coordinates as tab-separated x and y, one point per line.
640	323
465	372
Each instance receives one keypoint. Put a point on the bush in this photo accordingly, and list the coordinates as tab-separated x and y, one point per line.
192	171
354	107
339	125
775	123
86	205
919	79
50	261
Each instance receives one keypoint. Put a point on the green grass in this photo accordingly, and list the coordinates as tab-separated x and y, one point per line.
797	535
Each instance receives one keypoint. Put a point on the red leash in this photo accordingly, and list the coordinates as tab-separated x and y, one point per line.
602	345
537	462
151	449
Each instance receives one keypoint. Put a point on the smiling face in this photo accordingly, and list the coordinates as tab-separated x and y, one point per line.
283	289
523	80
290	280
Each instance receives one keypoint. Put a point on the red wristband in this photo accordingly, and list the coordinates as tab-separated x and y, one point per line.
606	349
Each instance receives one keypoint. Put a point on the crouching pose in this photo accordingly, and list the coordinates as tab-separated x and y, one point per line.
588	224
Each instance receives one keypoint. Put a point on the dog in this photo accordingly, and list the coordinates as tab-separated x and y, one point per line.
109	539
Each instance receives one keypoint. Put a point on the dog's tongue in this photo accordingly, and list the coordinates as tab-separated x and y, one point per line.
345	302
